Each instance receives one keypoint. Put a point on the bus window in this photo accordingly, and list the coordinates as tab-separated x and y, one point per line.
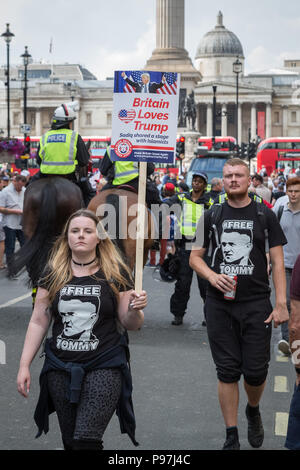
284	145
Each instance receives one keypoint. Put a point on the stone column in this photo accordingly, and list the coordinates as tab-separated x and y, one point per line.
284	121
224	120
169	24
240	120
253	121
209	120
268	120
38	127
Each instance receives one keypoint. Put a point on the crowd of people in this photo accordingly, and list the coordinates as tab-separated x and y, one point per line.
251	228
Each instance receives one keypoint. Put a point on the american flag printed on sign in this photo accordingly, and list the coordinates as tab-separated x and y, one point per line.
126	115
170	86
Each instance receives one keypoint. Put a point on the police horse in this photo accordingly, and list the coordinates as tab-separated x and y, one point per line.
48	203
117	208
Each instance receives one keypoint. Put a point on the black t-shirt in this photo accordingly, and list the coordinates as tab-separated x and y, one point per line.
84	315
241	249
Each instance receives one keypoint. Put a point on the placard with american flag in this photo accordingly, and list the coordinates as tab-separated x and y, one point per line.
144	121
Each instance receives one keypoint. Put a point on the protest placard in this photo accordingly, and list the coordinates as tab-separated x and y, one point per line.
144	127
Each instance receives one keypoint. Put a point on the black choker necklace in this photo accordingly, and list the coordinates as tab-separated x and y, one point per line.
84	264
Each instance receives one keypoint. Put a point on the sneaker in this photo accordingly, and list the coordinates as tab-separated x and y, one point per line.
149	265
284	347
255	430
177	320
231	443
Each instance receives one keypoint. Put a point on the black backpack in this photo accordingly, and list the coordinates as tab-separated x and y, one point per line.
215	216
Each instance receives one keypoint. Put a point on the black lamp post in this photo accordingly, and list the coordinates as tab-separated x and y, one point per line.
8	35
237	69
26	57
214	116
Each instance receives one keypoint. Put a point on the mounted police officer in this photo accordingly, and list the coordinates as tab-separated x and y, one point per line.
62	151
127	174
193	204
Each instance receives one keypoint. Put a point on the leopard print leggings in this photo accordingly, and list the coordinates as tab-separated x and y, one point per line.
83	425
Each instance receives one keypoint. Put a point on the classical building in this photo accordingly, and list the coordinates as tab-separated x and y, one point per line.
268	102
265	99
48	87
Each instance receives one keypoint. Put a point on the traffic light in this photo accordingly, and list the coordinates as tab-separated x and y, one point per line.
252	150
243	150
27	145
181	148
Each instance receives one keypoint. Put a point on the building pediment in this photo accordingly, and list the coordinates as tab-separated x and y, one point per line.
226	92
230	87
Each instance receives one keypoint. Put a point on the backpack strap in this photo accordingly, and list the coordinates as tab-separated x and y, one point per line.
280	211
215	217
262	217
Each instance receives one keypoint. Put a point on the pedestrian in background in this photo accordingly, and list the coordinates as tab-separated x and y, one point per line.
259	188
293	431
238	310
192	205
216	188
289	216
87	290
2	236
11	206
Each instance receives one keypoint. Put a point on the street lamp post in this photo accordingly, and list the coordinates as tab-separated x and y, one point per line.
214	116
8	35
26	57
237	69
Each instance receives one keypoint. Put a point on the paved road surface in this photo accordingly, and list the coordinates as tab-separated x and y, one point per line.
175	387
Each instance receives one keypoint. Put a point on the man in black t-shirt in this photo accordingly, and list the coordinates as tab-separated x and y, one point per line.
238	310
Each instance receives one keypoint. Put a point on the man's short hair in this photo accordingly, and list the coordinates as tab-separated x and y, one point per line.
292	182
215	182
235	162
258	178
20	178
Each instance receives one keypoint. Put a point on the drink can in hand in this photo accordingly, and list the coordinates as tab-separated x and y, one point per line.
231	294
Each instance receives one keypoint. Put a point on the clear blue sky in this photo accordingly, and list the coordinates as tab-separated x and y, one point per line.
107	36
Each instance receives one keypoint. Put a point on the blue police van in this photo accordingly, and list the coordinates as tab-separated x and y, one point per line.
210	162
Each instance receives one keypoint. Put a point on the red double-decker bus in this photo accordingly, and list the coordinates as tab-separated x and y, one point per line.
95	144
226	143
279	153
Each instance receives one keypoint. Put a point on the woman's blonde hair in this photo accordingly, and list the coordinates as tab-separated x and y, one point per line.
59	269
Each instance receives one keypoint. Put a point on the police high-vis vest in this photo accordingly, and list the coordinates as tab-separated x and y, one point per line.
124	171
190	215
58	150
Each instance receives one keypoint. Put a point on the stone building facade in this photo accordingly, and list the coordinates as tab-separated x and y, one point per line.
268	101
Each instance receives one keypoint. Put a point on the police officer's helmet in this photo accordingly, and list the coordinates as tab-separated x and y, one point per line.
63	114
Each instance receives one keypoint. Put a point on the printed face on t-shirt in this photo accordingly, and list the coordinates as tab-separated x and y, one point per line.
236	247
77	316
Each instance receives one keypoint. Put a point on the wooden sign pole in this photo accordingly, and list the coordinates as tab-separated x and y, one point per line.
141	219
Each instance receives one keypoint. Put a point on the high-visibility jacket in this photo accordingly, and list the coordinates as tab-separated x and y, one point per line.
124	171
190	215
58	149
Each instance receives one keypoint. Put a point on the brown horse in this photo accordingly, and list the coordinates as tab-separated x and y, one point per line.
48	202
117	208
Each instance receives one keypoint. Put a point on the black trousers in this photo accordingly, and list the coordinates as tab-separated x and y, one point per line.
239	339
180	298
